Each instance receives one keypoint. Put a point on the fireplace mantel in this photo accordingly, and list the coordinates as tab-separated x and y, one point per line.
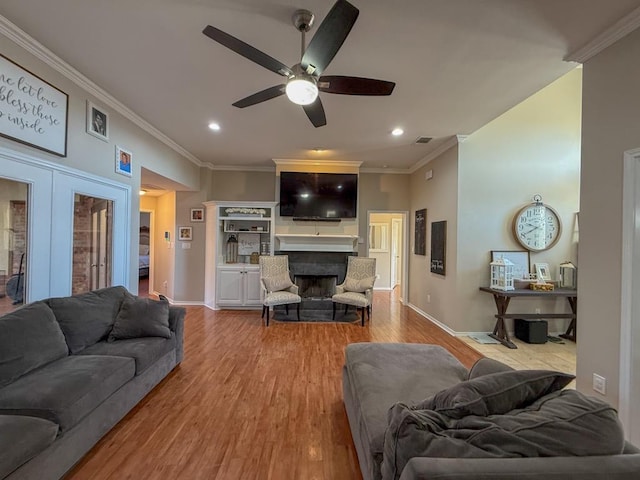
300	242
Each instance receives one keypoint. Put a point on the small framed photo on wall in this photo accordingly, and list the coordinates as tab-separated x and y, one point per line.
185	234
97	122
123	161
197	214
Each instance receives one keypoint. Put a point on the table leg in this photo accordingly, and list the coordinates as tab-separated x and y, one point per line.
500	330
572	330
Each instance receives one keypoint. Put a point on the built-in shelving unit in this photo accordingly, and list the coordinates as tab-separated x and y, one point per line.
231	284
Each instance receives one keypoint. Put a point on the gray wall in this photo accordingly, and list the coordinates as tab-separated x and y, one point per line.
611	125
90	154
429	292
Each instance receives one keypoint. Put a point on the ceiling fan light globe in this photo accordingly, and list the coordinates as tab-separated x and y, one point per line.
301	91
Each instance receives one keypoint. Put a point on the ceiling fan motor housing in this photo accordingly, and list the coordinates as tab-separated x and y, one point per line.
303	20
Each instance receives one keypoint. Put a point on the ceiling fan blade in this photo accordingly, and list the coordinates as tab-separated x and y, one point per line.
315	112
330	36
354	85
262	96
247	51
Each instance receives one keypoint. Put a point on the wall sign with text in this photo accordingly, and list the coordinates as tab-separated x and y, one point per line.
32	111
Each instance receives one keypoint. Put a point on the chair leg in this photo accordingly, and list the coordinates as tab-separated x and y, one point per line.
369	312
267	316
264	307
333	317
346	306
286	308
298	311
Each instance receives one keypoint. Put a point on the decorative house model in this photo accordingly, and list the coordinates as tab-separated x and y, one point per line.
568	275
502	274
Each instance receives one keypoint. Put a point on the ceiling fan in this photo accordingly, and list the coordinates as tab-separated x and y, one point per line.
305	79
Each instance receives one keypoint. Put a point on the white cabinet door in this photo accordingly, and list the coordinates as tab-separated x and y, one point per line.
230	287
252	290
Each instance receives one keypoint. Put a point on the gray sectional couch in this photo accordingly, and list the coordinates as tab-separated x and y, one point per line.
71	368
416	413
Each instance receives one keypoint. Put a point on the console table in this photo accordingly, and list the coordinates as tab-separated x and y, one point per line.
502	299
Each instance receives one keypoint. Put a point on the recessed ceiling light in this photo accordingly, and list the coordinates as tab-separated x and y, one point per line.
318	150
396	132
214	126
143	192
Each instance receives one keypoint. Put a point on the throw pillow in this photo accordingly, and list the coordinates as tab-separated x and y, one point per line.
278	282
141	317
87	318
360	286
495	393
30	337
485	366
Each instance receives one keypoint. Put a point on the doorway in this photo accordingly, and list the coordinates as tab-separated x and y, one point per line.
387	244
145	254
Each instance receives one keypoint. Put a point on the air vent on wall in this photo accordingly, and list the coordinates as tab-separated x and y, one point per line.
148	186
423	139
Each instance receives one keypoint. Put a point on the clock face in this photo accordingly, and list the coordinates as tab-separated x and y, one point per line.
537	227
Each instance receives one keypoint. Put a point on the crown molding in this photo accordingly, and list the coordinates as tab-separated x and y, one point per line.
608	37
239	168
31	45
391	171
452	142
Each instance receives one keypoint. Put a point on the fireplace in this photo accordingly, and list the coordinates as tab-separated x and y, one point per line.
316	287
316	274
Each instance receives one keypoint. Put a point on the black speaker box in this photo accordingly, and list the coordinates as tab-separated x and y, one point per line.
531	331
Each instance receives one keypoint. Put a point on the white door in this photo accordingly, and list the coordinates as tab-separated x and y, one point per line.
396	253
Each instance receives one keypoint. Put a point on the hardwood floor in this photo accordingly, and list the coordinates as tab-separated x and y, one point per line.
250	402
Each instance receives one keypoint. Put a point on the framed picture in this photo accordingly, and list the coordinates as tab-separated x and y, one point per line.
185	234
33	112
420	247
519	258
248	243
543	272
123	161
439	247
97	122
197	214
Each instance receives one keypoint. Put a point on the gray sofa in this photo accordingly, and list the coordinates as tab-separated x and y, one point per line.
407	377
71	368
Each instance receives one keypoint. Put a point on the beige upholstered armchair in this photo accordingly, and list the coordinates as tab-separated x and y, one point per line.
357	288
276	284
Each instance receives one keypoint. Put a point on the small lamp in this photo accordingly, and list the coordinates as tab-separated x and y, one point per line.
232	249
502	274
568	275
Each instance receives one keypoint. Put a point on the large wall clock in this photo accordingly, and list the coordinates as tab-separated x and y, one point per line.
537	226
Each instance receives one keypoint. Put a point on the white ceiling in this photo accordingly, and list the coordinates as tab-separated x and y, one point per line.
457	64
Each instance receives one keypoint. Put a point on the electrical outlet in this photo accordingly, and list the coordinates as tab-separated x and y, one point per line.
599	384
537	310
428	298
165	284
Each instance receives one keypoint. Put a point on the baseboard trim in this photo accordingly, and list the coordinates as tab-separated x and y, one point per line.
444	327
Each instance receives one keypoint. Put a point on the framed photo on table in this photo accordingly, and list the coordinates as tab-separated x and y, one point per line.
543	272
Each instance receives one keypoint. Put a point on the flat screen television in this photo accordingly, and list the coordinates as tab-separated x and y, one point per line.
318	195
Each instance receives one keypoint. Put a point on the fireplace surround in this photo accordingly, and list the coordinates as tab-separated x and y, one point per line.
317	274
